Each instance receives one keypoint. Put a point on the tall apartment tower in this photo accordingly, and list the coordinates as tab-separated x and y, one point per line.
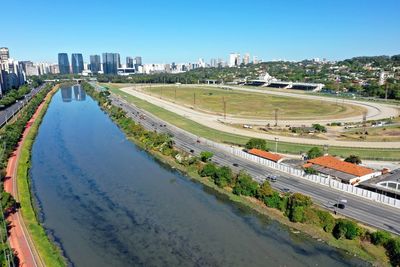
63	63
95	63
77	63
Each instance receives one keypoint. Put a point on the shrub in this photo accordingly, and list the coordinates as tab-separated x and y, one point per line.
265	190
345	228
208	170
393	250
257	143
273	201
314	152
319	128
223	176
380	237
206	156
353	159
326	220
296	206
310	170
245	185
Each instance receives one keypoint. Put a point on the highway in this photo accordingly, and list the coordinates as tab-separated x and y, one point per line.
365	211
9	112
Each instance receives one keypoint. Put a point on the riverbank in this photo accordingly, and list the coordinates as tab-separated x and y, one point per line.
49	253
357	247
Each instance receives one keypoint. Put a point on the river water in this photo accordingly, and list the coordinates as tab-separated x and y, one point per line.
108	203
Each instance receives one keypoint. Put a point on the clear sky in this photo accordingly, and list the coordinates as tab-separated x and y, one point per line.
180	31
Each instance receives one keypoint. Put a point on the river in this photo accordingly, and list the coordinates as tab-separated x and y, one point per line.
108	203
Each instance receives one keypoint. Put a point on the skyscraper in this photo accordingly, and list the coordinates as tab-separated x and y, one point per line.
246	59
95	63
129	62
234	59
63	63
77	63
138	62
110	63
4	54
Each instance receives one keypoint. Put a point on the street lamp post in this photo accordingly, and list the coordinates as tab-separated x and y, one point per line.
276	144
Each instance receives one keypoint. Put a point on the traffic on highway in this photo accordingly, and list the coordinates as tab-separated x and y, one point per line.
367	212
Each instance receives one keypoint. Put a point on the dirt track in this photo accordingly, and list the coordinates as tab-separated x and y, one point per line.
375	111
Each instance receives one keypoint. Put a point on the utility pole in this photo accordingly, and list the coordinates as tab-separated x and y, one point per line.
386	91
224	103
194	99
175	94
276	117
364	121
276	144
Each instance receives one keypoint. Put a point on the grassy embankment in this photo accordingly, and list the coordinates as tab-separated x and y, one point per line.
229	138
361	248
49	252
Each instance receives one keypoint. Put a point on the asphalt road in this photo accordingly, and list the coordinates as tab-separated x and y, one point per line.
9	112
363	210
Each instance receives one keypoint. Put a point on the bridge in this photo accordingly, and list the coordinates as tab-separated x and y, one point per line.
287	85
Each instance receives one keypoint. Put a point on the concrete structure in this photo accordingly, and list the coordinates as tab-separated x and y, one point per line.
77	63
246	59
63	63
12	73
345	172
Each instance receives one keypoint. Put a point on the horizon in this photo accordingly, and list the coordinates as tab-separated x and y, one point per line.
184	32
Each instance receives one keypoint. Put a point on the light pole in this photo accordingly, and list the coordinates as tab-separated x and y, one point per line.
276	144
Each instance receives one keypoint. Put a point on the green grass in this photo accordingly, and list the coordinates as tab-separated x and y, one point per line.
48	251
249	104
224	137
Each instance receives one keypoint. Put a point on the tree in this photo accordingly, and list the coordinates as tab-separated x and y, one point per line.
310	170
346	228
223	176
265	190
326	220
245	185
296	207
319	128
393	250
380	237
353	159
206	156
257	143
314	152
208	170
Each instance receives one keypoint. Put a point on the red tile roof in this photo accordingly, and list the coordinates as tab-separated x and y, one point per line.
342	166
265	154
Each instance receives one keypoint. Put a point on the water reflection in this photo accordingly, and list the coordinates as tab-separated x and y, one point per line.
66	94
79	93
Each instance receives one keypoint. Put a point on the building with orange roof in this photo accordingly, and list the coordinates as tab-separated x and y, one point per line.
266	155
342	171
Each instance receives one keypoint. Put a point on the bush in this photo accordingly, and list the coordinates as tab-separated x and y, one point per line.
310	170
314	152
353	159
319	128
206	156
265	190
223	176
380	238
208	170
326	220
257	143
273	201
297	204
345	228
393	250
245	185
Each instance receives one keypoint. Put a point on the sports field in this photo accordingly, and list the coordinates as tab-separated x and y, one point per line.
252	105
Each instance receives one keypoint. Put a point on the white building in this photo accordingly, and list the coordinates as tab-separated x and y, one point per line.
234	59
246	59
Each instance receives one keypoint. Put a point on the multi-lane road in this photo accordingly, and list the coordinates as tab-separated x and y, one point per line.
365	211
9	112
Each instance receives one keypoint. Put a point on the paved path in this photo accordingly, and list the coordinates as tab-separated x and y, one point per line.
19	238
214	121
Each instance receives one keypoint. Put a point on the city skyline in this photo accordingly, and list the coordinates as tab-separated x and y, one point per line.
160	32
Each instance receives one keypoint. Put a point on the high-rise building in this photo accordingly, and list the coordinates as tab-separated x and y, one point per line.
111	63
138	63
129	62
95	63
246	59
63	63
4	54
77	63
234	59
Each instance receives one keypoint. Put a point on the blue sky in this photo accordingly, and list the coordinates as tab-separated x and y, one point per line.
166	31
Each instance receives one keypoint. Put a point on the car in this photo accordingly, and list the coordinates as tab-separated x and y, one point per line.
191	151
235	164
340	205
272	178
285	190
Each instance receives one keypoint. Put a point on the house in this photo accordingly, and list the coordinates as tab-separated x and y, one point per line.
265	155
345	172
387	184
